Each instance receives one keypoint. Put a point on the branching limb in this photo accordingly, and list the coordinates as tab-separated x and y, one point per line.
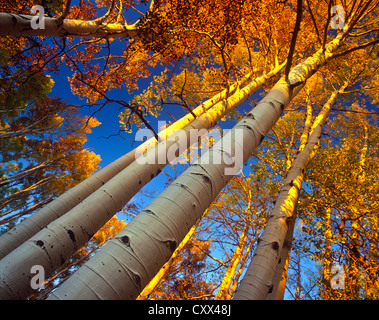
104	17
299	16
371	43
327	24
65	12
314	22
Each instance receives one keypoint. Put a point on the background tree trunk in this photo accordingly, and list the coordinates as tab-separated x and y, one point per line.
257	282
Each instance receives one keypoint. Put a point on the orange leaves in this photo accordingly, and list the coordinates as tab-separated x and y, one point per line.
95	81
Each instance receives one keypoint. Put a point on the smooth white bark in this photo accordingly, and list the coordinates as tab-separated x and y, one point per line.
61	238
39	220
258	280
64	203
128	262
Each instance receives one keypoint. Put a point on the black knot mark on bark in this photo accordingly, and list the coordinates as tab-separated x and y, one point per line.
291	183
125	240
14	20
206	179
40	243
171	244
275	245
71	235
148	211
137	279
249	116
271	288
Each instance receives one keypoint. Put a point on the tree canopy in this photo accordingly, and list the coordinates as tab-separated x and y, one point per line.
291	208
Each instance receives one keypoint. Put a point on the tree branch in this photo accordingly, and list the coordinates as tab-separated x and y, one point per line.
336	55
327	24
65	12
314	23
299	15
100	20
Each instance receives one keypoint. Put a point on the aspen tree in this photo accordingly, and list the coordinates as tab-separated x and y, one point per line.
257	282
127	263
158	277
232	269
20	26
51	246
52	211
280	277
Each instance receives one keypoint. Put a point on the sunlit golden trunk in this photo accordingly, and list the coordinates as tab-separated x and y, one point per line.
163	271
234	285
57	208
280	277
51	246
147	243
237	256
232	267
327	262
258	280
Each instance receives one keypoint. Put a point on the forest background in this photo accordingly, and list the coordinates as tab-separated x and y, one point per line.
54	131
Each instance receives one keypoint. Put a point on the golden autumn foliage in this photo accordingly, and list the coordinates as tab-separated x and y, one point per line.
307	194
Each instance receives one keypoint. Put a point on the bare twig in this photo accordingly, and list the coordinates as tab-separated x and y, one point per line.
327	24
355	48
314	23
100	20
299	15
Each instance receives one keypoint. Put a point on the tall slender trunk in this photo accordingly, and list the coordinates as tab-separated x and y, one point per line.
232	267
61	238
237	255
64	203
327	261
238	274
127	263
257	281
280	277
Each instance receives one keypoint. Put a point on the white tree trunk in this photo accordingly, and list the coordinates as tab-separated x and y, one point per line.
280	277
64	203
17	25
258	280
61	238
128	262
